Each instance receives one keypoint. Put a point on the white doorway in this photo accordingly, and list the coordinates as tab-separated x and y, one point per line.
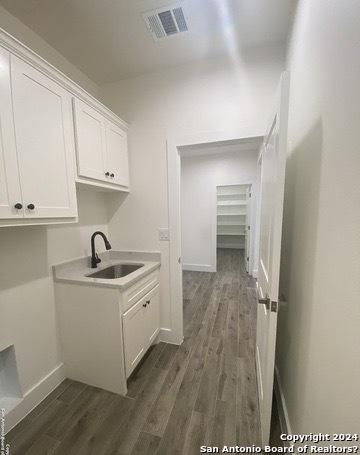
180	150
207	218
234	224
276	136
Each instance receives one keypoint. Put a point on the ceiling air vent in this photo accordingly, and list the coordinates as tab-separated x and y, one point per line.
165	22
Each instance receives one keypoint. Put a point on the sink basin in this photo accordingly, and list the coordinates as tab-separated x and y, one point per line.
115	271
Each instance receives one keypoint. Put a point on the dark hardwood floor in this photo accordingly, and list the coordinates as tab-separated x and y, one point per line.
180	397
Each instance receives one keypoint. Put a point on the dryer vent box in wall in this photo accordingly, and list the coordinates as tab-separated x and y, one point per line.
166	22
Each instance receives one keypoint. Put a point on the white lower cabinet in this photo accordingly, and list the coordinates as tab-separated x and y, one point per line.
133	329
106	331
140	327
152	316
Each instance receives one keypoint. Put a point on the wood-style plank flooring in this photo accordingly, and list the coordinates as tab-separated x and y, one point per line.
180	397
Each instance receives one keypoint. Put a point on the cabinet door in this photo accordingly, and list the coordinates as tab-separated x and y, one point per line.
90	141
117	155
10	193
152	316
133	328
44	139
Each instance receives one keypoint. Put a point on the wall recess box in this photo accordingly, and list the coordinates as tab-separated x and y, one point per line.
10	391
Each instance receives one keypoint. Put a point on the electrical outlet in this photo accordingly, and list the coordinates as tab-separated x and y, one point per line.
164	234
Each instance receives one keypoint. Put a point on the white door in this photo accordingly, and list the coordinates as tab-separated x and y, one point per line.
44	140
117	155
152	316
273	162
133	327
90	142
10	192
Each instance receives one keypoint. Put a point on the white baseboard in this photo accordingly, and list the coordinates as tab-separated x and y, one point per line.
35	396
167	336
282	408
199	268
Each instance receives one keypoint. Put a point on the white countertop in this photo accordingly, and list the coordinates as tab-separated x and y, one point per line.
76	270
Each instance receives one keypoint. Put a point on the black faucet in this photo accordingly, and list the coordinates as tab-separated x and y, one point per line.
94	256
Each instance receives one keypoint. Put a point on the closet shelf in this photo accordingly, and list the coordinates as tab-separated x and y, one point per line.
230	203
231	214
231	194
236	234
230	223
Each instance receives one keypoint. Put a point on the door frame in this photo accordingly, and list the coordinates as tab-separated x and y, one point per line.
173	143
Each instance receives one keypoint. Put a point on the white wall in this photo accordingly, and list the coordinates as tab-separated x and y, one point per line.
207	96
319	337
19	30
199	177
27	307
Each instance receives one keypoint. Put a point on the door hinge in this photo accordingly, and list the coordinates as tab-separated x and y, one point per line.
274	307
249	194
248	228
179	260
265	301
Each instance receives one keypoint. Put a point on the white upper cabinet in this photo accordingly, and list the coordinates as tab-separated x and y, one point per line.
45	118
90	141
44	141
36	146
117	163
101	148
10	191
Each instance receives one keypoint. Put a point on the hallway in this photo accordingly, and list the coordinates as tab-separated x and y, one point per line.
224	303
180	397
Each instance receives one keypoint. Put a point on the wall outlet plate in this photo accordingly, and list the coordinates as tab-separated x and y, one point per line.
164	234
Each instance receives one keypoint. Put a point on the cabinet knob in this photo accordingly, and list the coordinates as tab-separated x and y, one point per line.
148	302
31	206
107	174
112	175
144	305
18	206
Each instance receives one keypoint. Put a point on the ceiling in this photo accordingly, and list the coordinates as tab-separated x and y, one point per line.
108	39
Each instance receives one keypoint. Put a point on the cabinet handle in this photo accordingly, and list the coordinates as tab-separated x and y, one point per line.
112	175
107	174
31	206
144	305
148	302
18	206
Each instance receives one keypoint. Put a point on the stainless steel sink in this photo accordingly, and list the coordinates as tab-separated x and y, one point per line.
115	271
